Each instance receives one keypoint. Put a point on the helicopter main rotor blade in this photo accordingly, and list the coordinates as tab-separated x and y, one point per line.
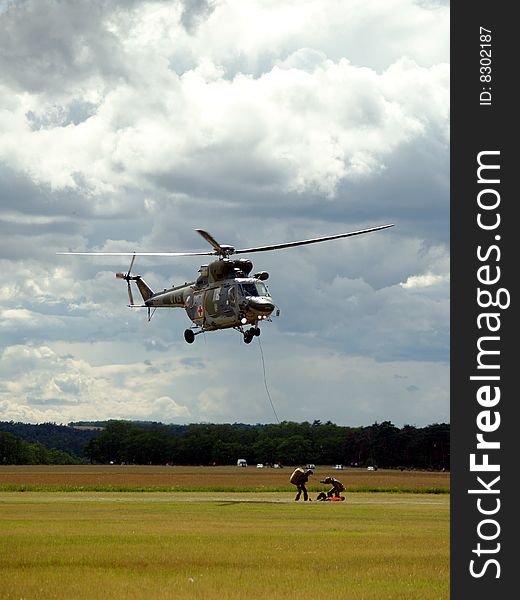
131	265
137	253
210	239
224	250
311	241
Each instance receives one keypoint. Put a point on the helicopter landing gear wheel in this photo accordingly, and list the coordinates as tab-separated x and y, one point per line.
250	334
189	336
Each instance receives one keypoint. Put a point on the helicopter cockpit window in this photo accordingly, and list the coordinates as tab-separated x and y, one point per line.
262	289
254	289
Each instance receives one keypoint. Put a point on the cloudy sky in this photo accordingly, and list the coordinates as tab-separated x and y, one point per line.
125	125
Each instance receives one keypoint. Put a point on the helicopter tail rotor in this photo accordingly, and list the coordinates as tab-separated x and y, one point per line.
130	297
127	277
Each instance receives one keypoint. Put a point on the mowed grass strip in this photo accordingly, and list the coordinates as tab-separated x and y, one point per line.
152	546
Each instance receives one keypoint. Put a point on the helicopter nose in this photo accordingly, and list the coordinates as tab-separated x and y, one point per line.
261	305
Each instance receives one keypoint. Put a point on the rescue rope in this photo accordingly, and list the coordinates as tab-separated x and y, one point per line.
265	381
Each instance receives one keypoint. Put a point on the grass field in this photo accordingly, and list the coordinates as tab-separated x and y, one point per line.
87	545
229	478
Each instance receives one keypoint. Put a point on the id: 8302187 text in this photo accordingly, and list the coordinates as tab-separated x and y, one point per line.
485	66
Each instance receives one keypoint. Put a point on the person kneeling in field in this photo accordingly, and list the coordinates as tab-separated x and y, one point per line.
334	492
299	478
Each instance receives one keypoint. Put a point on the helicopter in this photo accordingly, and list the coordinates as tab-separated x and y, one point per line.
224	295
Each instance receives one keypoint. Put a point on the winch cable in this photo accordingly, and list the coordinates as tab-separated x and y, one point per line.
265	382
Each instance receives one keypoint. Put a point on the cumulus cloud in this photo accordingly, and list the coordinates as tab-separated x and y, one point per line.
306	122
49	386
420	281
288	130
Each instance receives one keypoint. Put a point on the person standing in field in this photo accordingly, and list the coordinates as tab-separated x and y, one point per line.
299	478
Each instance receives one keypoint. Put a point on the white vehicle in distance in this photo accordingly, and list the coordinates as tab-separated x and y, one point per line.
338	467
260	466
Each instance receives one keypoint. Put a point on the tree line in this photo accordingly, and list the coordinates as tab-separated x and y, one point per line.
381	445
15	451
66	438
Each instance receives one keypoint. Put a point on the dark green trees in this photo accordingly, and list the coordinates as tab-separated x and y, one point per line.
381	444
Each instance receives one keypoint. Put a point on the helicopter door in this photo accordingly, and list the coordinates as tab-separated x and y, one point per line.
230	300
211	301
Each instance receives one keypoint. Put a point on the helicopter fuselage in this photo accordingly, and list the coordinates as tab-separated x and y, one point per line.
222	297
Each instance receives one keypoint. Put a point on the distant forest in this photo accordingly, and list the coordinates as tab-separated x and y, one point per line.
380	445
